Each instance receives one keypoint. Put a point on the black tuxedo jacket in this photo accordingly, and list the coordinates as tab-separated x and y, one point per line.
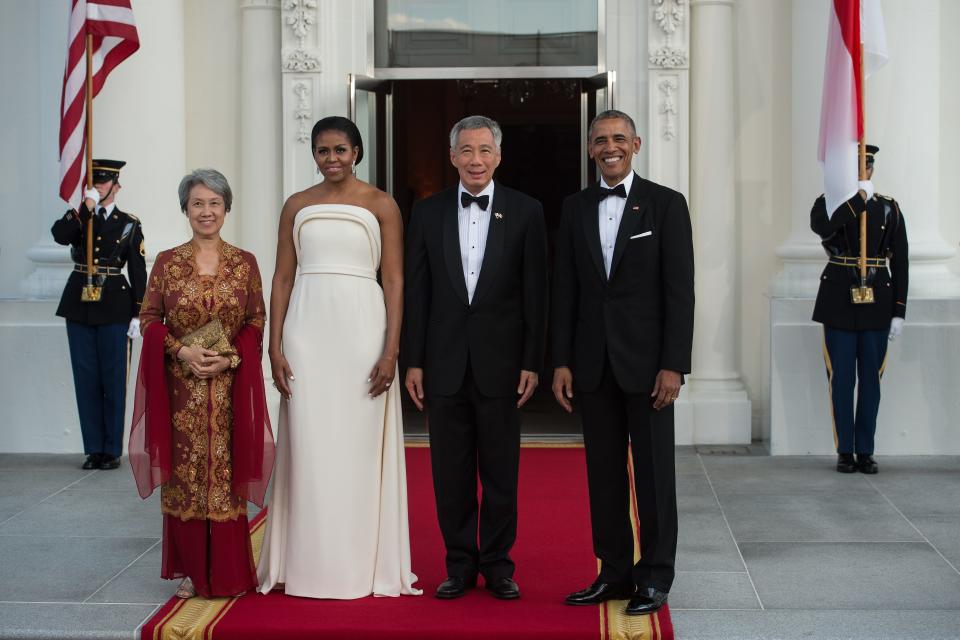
502	329
641	317
117	241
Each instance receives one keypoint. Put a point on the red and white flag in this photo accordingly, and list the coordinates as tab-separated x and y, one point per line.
114	32
852	22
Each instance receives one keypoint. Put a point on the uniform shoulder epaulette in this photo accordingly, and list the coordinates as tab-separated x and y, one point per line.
885	197
135	218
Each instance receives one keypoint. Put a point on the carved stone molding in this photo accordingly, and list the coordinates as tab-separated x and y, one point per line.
301	61
669	33
669	14
300	16
669	57
303	113
668	108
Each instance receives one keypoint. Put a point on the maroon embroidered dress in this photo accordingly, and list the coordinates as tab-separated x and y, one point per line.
206	442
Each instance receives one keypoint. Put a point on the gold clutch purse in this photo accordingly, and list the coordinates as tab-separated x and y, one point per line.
209	336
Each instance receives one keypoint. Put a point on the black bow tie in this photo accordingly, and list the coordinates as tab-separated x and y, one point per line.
466	199
618	190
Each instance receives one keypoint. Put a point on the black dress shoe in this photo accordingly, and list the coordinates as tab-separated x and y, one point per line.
846	463
866	463
600	592
646	601
92	462
109	462
503	588
454	587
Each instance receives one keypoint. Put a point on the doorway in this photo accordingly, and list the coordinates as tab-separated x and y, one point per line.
406	126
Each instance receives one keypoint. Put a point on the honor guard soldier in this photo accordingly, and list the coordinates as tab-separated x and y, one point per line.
101	308
861	303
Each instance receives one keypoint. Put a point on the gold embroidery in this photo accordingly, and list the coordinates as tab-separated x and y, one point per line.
201	409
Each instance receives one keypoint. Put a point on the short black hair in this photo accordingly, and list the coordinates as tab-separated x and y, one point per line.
344	126
613	114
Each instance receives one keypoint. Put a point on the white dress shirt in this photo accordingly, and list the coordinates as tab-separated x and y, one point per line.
473	223
107	210
610	213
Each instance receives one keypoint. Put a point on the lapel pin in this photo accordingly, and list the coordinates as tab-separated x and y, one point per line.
636	208
498	216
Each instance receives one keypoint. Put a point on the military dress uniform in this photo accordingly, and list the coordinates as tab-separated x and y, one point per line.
856	335
97	331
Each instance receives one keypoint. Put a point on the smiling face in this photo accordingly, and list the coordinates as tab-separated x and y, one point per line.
334	155
206	212
476	157
612	146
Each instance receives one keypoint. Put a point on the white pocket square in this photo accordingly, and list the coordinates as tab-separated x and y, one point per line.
642	235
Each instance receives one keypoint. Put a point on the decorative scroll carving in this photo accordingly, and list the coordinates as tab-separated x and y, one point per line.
668	40
669	14
303	114
669	57
668	108
301	61
300	17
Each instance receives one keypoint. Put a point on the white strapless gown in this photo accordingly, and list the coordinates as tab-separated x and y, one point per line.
337	519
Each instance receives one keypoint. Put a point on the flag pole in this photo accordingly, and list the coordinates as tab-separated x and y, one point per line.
91	292
862	153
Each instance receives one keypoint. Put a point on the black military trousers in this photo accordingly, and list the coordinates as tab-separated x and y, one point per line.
472	434
613	422
99	356
854	360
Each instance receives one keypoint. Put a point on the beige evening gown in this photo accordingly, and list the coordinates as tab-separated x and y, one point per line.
337	519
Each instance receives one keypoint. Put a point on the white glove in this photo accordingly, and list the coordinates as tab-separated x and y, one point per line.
867	187
133	332
896	327
92	194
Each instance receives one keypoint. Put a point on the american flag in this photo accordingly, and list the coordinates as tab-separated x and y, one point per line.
114	32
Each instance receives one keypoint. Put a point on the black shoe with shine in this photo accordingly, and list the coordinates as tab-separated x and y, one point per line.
454	587
646	601
503	588
846	463
600	592
109	462
866	463
92	462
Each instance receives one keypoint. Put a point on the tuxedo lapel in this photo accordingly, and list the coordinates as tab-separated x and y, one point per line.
590	217
451	244
634	212
499	215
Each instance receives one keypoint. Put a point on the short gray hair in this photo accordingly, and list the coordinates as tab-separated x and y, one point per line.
612	114
476	122
211	179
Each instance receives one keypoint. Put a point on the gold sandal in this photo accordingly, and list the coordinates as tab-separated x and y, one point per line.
186	590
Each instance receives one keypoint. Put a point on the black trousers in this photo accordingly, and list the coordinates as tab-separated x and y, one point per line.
471	433
612	420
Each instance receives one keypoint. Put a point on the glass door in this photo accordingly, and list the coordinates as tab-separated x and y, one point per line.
370	106
596	95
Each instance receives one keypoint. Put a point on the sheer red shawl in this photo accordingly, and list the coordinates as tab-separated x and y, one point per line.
252	449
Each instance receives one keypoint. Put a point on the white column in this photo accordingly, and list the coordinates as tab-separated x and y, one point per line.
721	409
259	194
668	94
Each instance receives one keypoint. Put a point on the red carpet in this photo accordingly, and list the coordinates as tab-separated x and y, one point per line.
553	557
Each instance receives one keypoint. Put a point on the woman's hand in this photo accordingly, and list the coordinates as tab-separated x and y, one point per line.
281	374
214	366
200	360
381	377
